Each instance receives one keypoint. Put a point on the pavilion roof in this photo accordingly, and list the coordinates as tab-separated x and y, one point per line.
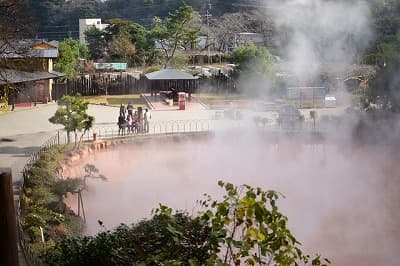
170	74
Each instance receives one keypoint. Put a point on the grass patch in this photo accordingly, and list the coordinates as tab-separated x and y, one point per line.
117	100
219	96
219	100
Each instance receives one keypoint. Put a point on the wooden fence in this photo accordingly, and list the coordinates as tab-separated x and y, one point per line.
218	83
126	83
30	257
105	84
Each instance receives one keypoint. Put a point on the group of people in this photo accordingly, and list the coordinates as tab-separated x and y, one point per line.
133	121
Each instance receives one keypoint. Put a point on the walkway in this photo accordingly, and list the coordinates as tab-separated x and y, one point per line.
157	103
23	131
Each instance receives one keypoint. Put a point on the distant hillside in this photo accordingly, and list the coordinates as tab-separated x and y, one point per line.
58	19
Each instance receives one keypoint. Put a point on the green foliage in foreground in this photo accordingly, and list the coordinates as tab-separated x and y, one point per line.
244	228
41	201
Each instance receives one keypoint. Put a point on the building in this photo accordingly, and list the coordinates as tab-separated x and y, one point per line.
173	81
243	38
247	37
27	67
308	97
85	24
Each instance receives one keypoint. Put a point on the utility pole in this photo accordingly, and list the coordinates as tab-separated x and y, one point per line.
8	224
208	16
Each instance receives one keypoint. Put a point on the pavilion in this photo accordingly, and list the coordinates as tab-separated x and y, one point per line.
170	79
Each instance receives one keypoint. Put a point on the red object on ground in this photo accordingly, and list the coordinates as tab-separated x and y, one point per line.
182	100
23	104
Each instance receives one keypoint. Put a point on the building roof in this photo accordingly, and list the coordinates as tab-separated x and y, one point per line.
41	53
169	74
30	48
12	76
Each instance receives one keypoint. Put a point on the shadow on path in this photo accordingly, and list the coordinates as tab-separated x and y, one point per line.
18	151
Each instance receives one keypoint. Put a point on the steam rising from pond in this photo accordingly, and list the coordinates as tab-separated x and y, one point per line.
341	200
320	31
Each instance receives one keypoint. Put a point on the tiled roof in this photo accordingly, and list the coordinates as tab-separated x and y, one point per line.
23	48
12	76
40	53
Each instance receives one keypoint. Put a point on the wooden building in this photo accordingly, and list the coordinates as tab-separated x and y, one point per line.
27	66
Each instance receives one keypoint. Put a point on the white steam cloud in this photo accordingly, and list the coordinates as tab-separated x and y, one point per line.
321	31
342	200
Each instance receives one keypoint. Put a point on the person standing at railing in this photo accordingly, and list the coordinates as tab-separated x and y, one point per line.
122	110
129	122
130	108
121	125
135	122
146	118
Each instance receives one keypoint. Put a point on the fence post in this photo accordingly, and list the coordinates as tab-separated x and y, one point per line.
8	229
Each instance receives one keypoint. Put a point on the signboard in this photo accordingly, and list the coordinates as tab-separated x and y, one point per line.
110	66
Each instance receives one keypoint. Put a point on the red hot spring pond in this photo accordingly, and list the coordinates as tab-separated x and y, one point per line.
342	201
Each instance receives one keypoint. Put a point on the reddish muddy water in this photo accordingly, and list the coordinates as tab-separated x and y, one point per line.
343	202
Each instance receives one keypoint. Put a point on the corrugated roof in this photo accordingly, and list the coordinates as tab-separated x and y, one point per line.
40	53
12	76
45	53
169	74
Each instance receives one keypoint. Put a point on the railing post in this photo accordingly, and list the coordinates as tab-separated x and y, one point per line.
8	229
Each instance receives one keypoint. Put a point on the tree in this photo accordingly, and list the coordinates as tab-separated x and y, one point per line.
251	58
174	32
130	39
92	172
14	25
121	48
96	43
255	66
118	40
245	227
71	113
70	52
61	187
383	90
226	28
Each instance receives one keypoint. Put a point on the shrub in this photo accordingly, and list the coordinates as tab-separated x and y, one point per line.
245	227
